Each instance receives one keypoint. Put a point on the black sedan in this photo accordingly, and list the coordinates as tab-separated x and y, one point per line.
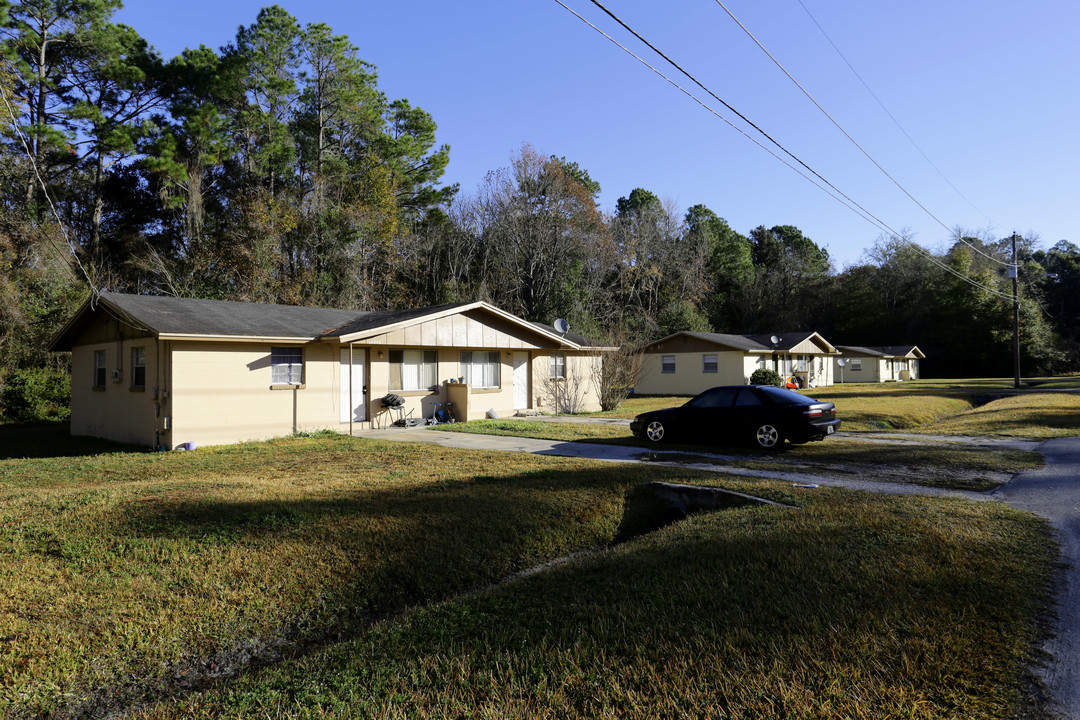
762	415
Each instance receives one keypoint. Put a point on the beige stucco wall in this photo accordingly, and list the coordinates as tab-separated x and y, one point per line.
873	370
579	386
477	401
221	393
689	377
734	368
419	403
115	411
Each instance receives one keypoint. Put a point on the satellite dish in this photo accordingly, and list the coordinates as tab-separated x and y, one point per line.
561	326
841	362
774	340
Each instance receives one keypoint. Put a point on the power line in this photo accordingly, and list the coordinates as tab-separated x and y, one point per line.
868	218
745	119
865	214
849	137
45	190
891	116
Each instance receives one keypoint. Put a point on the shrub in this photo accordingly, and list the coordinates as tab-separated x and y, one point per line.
764	376
36	395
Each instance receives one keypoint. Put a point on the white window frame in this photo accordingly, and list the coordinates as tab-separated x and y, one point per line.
287	365
667	364
482	369
856	365
138	362
557	368
417	369
101	368
710	367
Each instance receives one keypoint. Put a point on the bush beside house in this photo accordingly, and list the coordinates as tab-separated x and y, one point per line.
765	376
35	395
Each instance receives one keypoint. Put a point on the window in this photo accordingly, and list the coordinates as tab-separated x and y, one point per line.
715	398
856	365
761	362
558	365
800	363
413	369
100	372
709	364
748	397
481	369
667	363
138	367
286	366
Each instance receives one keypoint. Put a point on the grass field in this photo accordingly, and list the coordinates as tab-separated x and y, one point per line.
128	576
853	606
342	577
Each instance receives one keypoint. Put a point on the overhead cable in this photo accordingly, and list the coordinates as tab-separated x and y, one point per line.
891	116
862	212
854	142
45	191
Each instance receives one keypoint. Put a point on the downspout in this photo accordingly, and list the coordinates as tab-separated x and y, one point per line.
157	394
352	407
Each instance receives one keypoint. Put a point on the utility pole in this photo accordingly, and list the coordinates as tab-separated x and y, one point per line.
1013	272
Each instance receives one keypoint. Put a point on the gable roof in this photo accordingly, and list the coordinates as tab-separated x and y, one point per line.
884	351
753	343
188	318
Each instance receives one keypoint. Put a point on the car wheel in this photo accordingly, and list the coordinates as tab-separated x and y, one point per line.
654	431
768	437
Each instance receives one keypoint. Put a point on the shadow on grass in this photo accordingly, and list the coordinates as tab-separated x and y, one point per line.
387	548
53	440
757	615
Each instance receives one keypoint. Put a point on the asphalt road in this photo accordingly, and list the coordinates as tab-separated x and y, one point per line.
1054	493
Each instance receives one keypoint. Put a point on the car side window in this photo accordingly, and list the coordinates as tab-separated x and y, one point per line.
715	398
747	397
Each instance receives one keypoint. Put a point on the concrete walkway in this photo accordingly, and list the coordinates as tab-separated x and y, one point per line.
1052	492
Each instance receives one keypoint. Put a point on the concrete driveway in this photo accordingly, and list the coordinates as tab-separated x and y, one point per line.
1052	492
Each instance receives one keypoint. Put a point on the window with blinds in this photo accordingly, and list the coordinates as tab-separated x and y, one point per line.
481	369
413	369
287	366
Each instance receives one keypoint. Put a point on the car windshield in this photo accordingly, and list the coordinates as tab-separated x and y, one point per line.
785	397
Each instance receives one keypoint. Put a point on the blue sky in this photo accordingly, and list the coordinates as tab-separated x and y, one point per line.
987	89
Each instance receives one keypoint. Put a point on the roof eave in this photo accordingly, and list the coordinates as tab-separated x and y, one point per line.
456	310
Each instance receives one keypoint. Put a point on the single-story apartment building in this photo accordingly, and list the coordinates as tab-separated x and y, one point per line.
687	363
879	364
166	372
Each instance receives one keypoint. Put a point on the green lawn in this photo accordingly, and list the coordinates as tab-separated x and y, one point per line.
127	577
853	606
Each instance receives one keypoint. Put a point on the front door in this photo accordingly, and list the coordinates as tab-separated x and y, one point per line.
521	380
354	394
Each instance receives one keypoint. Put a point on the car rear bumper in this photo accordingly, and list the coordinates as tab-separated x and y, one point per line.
817	431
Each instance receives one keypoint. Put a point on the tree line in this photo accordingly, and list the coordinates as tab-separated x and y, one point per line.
274	169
